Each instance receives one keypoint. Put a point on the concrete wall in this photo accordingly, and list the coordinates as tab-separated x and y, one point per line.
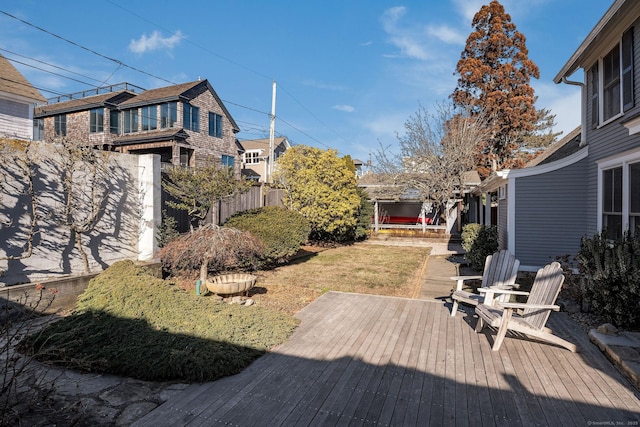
126	225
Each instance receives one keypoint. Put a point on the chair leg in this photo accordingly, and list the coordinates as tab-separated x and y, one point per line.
479	324
454	307
504	326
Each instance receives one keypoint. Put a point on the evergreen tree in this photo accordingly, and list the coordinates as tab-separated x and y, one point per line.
494	74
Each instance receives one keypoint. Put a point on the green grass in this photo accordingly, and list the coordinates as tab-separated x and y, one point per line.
132	324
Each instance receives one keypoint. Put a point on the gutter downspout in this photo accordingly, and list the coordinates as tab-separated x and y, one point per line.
583	108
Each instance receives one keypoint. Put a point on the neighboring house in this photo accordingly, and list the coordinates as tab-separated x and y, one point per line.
186	124
255	156
544	210
17	100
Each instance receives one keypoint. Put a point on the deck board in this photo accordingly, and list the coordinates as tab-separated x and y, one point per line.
371	360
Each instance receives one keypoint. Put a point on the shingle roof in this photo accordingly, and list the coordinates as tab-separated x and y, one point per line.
160	135
561	149
82	103
263	143
13	82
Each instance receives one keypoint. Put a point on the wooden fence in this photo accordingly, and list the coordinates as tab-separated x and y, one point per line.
257	196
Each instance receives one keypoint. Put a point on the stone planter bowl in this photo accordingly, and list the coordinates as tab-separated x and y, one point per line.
228	284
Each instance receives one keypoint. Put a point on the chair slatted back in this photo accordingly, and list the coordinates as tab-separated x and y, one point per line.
545	289
500	269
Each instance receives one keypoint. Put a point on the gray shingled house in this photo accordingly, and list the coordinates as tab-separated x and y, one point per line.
186	124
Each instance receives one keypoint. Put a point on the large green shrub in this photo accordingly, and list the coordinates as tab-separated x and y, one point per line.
479	241
280	230
611	277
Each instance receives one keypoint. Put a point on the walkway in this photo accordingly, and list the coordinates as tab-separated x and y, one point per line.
372	360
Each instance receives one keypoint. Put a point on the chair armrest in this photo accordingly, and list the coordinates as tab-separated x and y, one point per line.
502	290
513	305
460	280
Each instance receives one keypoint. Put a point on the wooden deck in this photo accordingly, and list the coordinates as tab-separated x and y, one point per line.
370	360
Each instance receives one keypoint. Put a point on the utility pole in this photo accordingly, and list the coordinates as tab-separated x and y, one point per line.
272	131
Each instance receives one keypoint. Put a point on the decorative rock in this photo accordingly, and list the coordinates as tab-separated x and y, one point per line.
607	329
249	302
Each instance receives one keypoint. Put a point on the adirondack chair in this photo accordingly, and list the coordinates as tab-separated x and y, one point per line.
500	269
532	318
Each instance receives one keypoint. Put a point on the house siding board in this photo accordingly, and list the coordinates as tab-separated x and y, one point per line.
15	120
550	218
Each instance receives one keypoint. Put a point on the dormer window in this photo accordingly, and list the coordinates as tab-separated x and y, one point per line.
612	82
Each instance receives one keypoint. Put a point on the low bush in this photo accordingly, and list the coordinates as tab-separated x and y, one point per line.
133	324
227	250
611	277
479	241
280	230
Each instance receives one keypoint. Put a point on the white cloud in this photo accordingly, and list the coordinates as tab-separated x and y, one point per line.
403	37
446	34
155	42
345	108
321	85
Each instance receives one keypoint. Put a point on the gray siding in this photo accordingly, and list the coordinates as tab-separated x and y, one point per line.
549	214
610	139
15	120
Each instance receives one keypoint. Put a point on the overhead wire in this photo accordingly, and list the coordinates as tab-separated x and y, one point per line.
122	64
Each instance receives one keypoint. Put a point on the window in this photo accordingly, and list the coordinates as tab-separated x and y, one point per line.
38	129
251	157
228	161
190	119
149	117
612	202
619	196
130	120
612	82
185	156
96	120
215	125
60	125
114	122
168	115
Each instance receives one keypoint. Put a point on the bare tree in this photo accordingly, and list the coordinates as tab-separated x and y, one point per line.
85	179
436	151
17	179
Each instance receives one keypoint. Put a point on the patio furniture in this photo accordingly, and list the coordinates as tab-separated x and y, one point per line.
532	318
500	270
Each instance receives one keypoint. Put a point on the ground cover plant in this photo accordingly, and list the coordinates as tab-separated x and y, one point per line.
132	324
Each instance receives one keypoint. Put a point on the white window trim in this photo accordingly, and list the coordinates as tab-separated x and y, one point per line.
259	157
623	161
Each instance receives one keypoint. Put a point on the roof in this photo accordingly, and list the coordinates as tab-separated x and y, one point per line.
559	150
263	143
128	99
618	18
86	103
154	136
13	82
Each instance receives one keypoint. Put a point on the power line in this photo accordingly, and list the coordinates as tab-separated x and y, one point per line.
117	61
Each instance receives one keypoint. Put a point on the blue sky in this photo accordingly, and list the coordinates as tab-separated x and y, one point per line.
349	73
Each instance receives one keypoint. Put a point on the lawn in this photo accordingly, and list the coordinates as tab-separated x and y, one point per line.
130	323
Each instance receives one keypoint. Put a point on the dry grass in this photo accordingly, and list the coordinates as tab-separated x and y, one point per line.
360	268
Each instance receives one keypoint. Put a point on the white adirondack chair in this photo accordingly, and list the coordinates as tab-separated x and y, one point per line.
532	318
500	270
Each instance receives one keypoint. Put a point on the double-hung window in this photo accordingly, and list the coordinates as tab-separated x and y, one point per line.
190	117
215	125
612	82
619	195
114	122
168	115
60	125
149	117
96	120
130	120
